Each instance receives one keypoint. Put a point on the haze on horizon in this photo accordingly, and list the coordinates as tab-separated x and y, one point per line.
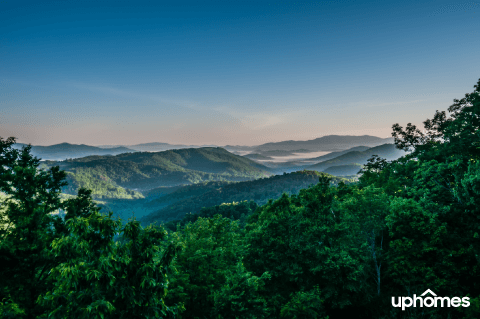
242	73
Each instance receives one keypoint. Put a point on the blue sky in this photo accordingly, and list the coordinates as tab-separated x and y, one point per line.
229	72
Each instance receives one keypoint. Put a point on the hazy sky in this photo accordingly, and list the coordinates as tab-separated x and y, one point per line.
229	72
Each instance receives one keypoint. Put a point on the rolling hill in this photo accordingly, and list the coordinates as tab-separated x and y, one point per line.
354	156
343	170
332	155
259	191
387	151
143	171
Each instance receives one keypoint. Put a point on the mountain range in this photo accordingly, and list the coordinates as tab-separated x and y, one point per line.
355	156
166	185
155	146
142	171
59	152
329	143
128	175
387	151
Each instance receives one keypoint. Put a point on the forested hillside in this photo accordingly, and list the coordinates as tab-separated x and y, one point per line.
343	170
143	170
259	191
156	199
234	211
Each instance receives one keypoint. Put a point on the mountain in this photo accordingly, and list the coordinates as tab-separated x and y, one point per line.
63	151
354	156
259	191
325	143
155	199
155	146
298	164
387	151
343	170
332	155
142	170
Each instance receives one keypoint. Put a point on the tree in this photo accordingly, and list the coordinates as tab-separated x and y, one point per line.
240	296
107	278
83	265
304	242
433	221
208	276
369	206
28	227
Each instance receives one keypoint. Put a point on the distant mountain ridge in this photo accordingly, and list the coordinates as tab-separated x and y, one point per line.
329	143
332	155
326	143
155	146
354	156
63	151
387	151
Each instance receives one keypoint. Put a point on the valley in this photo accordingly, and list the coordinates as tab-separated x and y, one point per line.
156	184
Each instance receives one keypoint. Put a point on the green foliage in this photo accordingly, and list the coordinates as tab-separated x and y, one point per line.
332	250
102	187
209	261
235	211
303	305
103	278
85	265
161	197
9	309
304	241
343	170
409	225
28	227
239	297
433	220
473	311
259	191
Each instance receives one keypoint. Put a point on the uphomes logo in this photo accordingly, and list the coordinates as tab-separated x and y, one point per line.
430	301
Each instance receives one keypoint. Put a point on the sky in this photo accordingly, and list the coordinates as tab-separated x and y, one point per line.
229	72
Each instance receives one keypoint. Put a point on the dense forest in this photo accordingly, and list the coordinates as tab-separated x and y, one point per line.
259	191
166	203
332	250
